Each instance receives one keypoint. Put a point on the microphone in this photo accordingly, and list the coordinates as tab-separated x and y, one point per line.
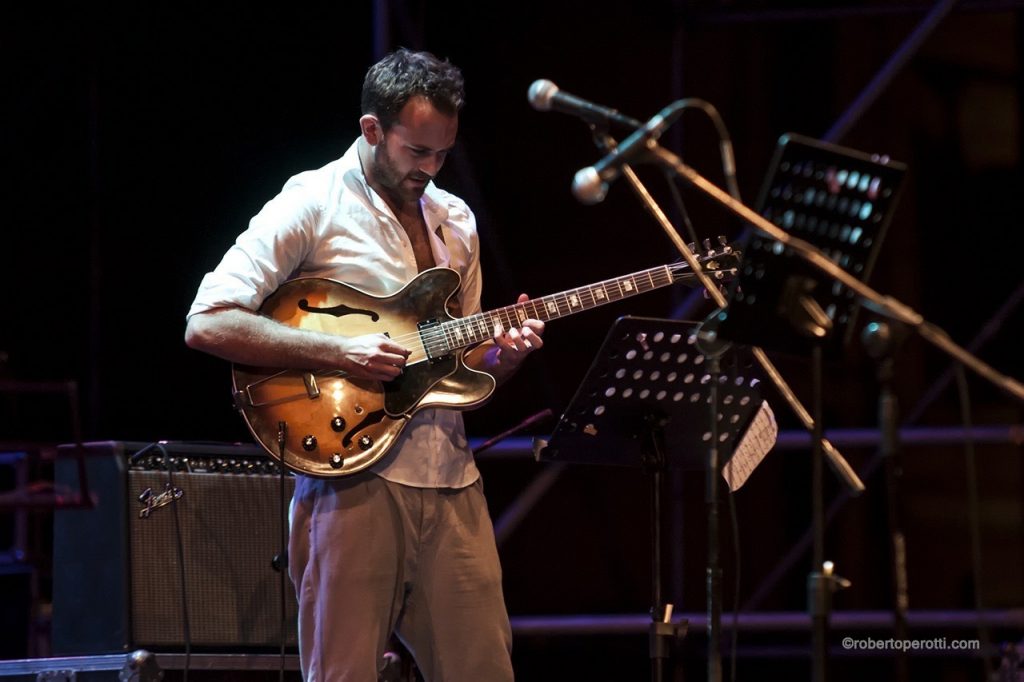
545	95
590	185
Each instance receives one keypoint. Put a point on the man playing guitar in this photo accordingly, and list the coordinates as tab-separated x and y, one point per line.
403	542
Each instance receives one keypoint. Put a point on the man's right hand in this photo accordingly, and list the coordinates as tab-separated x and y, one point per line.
373	356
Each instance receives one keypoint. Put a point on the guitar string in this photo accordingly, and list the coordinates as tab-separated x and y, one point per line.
553	304
437	338
442	332
657	276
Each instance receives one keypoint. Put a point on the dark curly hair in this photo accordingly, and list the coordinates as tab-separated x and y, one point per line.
404	74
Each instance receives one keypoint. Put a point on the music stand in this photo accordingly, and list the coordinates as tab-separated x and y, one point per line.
647	400
840	201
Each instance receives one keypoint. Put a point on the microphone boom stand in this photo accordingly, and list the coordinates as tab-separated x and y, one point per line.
871	299
820	584
813	425
839	465
880	341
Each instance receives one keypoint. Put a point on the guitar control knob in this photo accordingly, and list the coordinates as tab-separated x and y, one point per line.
337	461
338	424
309	443
365	442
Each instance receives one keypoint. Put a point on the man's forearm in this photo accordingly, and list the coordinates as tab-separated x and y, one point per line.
242	336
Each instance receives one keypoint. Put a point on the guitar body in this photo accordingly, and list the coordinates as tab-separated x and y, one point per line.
335	425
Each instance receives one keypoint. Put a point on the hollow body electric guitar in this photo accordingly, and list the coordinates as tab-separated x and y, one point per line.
324	423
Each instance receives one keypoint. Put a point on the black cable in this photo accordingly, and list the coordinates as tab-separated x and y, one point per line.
724	143
604	141
186	629
990	329
282	563
143	451
973	512
734	522
607	143
727	156
728	171
677	199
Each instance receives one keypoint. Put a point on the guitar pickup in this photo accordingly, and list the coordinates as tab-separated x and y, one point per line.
435	345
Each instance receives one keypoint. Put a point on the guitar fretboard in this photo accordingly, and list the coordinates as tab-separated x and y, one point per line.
454	334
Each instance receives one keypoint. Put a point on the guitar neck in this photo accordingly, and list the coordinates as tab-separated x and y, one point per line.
473	329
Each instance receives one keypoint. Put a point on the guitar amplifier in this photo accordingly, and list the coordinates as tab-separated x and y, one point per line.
180	547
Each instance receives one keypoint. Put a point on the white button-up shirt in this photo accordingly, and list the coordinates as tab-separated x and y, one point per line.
330	223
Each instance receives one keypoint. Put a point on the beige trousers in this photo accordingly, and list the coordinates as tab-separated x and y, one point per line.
369	557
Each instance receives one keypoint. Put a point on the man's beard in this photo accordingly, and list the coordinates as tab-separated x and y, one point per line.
388	176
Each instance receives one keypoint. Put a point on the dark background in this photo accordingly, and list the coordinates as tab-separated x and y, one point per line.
139	142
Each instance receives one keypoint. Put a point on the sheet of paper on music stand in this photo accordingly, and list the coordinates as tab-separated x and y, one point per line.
752	448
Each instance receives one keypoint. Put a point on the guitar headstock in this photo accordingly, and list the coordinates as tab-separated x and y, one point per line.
719	261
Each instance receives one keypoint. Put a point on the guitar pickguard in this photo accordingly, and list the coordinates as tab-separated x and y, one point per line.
405	391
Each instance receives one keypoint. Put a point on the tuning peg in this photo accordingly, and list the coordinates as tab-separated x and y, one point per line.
692	247
707	245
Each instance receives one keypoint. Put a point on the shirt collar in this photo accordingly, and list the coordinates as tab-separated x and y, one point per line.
433	203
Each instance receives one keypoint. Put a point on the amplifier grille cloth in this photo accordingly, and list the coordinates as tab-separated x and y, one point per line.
230	532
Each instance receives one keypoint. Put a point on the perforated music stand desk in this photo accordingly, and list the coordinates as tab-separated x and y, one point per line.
650	376
841	201
647	401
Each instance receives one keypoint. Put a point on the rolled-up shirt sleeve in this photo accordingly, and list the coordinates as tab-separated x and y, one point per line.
264	255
